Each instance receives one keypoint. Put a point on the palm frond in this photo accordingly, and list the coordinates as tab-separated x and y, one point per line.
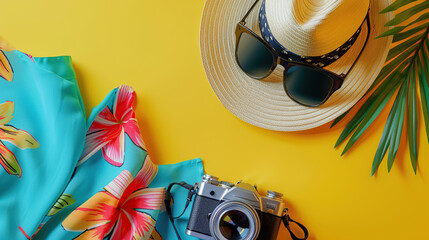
406	68
396	5
406	14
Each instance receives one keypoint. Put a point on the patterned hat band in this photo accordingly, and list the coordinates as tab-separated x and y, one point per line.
320	61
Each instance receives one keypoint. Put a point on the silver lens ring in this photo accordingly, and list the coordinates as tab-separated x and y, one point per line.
222	210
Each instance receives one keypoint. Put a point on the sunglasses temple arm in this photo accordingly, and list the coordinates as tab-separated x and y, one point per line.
248	12
363	48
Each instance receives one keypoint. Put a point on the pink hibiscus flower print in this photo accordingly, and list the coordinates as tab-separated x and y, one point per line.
17	137
6	71
117	213
107	132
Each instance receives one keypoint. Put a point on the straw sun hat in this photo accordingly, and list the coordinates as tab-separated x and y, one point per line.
304	27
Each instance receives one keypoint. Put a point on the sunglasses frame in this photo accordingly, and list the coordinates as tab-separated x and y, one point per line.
337	79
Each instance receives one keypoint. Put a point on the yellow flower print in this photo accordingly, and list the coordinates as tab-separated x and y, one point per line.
17	137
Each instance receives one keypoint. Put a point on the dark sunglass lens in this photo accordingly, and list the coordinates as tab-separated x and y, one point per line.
253	56
307	86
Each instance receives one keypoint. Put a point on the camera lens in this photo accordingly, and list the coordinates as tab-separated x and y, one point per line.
234	221
234	225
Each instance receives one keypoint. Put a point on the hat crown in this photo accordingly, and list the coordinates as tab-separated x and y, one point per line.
314	27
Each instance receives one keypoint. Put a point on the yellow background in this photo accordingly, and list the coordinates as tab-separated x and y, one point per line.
154	47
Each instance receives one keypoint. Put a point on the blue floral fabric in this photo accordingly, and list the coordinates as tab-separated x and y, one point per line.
67	177
41	99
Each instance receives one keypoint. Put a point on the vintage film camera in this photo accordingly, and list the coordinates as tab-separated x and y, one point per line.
227	211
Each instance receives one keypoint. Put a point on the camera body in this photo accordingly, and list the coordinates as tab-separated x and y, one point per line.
222	210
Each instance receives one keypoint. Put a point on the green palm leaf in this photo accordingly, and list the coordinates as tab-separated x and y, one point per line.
396	30
404	35
424	92
407	68
406	14
407	47
396	5
412	118
387	133
396	128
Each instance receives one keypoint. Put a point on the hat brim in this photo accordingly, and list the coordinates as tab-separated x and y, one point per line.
265	103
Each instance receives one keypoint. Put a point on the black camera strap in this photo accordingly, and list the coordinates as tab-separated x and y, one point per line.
168	198
286	219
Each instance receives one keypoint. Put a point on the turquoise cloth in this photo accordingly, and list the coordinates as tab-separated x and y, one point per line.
47	107
65	177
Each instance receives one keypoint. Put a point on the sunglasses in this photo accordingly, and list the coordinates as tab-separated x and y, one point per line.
307	84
